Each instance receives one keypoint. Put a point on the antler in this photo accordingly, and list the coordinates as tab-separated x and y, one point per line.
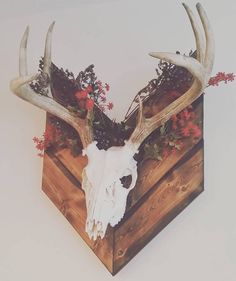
20	86
200	68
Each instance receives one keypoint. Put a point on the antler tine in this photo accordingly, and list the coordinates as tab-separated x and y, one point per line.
200	42
23	56
191	64
48	50
200	70
20	86
197	69
210	43
47	56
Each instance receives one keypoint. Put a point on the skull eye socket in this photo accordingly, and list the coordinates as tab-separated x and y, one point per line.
126	181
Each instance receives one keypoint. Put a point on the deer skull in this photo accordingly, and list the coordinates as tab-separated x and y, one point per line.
105	195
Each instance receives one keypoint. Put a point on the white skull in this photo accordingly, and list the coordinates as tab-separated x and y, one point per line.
105	195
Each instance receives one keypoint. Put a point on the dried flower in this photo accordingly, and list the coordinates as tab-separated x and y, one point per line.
80	95
50	135
196	131
185	132
110	105
185	114
107	87
89	104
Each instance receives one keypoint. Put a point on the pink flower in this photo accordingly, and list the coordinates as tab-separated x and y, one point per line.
110	106
221	77
107	87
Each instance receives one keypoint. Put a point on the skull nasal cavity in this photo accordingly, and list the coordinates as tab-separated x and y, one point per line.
126	181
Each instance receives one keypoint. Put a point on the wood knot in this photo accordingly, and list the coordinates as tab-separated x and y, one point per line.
184	188
63	207
120	253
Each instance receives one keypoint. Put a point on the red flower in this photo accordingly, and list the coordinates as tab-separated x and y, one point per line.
196	131
230	77
185	132
89	104
89	89
174	118
110	105
40	145
185	115
191	125
49	133
80	95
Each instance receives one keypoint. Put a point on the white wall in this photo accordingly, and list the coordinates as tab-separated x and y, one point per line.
36	241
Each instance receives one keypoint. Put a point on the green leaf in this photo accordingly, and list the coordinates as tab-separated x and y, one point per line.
163	129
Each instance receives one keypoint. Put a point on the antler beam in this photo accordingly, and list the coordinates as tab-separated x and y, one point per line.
20	86
200	68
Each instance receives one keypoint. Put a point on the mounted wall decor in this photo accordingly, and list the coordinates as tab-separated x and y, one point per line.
119	184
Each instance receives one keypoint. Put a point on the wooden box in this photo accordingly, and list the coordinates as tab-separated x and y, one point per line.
164	188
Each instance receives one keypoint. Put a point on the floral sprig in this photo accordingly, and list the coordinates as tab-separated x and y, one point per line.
181	126
221	77
92	94
83	92
49	137
171	137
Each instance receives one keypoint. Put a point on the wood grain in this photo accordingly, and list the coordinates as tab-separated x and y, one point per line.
69	199
74	164
171	196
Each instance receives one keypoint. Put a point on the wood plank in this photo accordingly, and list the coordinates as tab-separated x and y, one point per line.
69	199
74	164
153	171
167	200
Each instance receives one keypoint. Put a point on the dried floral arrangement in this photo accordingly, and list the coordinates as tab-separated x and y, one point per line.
85	91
